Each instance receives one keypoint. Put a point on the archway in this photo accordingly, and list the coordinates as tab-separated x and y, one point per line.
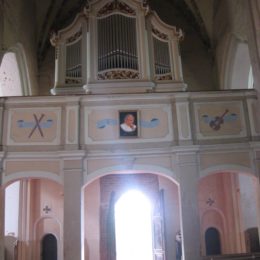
49	247
101	196
212	240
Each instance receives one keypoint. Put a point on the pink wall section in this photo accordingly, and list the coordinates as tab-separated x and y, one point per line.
220	207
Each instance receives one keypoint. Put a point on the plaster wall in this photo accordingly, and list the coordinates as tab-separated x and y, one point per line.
220	208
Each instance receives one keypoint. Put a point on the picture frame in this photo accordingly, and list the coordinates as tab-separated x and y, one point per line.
128	123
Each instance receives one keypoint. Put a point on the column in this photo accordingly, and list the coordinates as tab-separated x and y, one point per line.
190	224
24	220
72	210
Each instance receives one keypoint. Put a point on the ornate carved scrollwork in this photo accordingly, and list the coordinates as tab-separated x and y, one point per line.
73	81
54	39
118	74
163	77
116	6
75	36
159	34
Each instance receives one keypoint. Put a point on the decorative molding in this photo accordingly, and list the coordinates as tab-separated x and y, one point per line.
73	81
118	74
159	34
116	6
74	37
163	77
54	39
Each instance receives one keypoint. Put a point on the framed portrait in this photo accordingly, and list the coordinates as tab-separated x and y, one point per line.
128	123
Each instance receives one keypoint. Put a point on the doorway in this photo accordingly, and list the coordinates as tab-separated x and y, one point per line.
212	239
49	248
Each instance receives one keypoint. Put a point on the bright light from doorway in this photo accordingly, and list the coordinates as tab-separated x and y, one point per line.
133	222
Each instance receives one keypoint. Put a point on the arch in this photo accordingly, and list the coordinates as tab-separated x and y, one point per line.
31	174
220	229
125	169
102	192
37	222
235	64
212	241
49	247
37	237
226	168
217	211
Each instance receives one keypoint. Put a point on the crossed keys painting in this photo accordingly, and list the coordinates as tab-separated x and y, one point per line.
218	119
28	125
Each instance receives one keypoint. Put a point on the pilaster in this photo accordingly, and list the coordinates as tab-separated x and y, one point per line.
72	210
190	225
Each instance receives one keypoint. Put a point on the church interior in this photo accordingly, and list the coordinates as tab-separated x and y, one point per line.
130	129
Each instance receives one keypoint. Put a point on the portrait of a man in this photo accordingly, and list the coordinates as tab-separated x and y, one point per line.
128	123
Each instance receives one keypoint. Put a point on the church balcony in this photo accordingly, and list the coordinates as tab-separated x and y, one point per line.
161	121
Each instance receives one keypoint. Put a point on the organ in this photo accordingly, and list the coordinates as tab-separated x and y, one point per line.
118	46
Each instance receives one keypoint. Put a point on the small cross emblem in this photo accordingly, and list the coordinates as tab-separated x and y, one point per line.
210	201
46	209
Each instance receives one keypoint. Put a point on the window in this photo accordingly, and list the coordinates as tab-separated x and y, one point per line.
10	81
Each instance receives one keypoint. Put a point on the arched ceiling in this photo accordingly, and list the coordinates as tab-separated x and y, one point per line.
188	15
